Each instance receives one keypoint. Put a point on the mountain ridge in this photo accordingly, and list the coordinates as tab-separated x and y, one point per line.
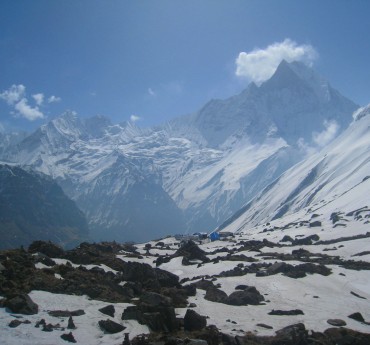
204	162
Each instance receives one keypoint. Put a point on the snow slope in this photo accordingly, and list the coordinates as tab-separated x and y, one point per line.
334	180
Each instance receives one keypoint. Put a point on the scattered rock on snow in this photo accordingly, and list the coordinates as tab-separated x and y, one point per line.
108	310
111	327
336	322
357	316
248	296
286	312
68	337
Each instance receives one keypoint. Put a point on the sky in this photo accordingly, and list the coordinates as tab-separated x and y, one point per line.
149	61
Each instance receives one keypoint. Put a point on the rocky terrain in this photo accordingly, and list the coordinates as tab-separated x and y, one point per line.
279	283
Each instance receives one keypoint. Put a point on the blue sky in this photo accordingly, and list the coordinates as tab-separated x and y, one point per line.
149	61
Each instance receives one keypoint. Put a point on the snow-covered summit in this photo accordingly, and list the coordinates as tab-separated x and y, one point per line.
203	166
335	179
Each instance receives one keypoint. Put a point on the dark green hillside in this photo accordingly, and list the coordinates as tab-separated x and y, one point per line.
34	207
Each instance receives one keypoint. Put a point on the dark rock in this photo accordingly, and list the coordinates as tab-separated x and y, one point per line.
131	312
190	251
286	312
215	295
264	326
66	313
192	305
357	295
307	240
71	324
193	321
14	323
191	290
40	323
108	310
158	318
248	296
68	337
292	335
203	284
177	296
344	336
155	299
286	238
21	304
48	248
357	316
111	327
241	287
48	327
336	322
316	223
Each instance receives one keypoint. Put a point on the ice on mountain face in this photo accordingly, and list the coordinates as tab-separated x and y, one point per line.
205	165
333	180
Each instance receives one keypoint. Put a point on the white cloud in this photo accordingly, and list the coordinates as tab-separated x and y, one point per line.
14	94
327	135
25	110
53	99
17	99
260	64
39	98
134	118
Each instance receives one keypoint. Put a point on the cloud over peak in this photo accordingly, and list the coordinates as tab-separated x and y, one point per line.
259	65
17	99
134	118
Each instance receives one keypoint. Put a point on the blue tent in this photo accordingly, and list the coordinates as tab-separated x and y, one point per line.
214	236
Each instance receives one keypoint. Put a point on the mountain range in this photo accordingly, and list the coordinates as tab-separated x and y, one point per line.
192	173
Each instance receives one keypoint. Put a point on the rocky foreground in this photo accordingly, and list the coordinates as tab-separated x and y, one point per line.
235	291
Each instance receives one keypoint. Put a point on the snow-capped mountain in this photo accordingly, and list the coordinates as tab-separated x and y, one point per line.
335	180
193	172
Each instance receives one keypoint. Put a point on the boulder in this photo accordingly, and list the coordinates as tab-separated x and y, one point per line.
68	337
111	327
215	295
336	322
357	316
155	299
21	304
245	297
71	324
108	310
193	321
